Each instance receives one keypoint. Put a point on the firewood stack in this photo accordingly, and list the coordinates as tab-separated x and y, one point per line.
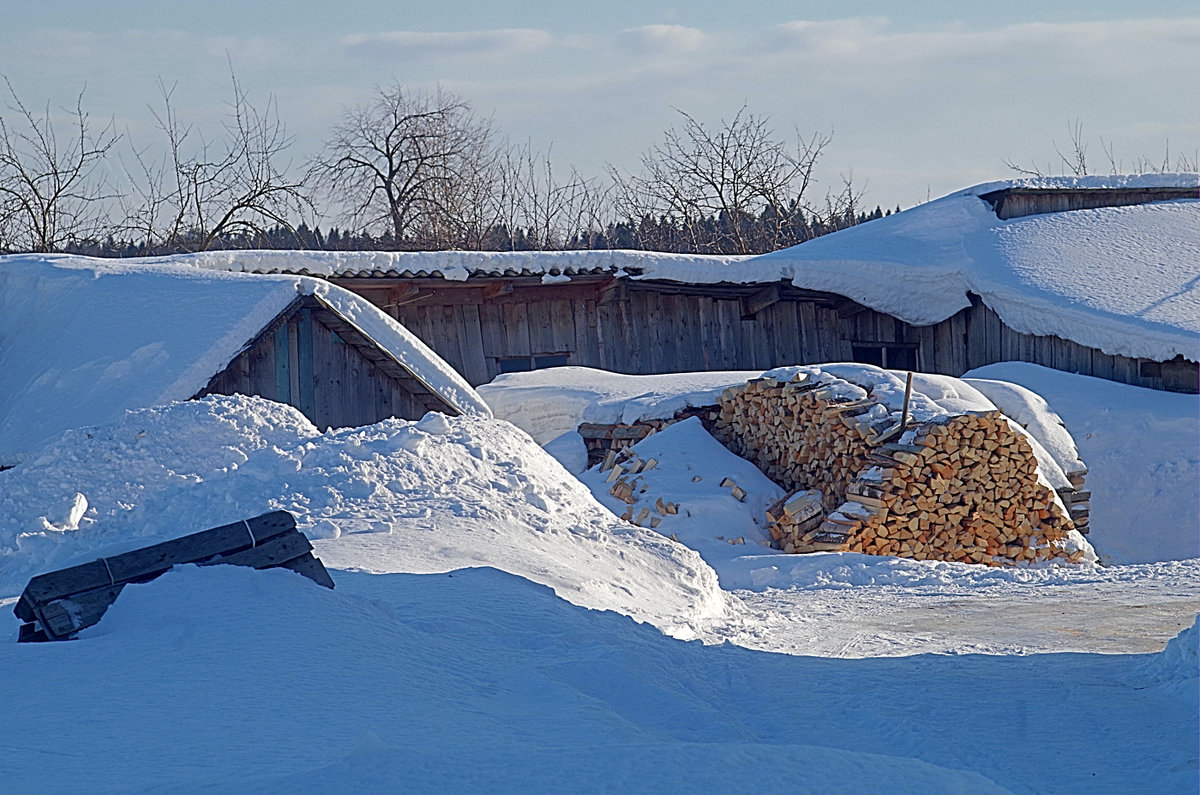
958	487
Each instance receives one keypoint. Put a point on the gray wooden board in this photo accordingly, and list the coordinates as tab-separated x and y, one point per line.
311	568
152	560
64	617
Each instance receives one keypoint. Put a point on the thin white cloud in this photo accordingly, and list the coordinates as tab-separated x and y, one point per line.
663	39
432	45
874	41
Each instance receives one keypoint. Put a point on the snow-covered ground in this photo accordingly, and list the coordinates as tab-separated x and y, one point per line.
495	627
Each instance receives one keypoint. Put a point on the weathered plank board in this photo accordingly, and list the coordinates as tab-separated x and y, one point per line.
65	601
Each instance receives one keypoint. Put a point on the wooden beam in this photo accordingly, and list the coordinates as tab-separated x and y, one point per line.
614	290
847	309
757	302
496	290
404	294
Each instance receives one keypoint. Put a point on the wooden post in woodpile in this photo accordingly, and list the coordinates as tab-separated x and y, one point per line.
961	488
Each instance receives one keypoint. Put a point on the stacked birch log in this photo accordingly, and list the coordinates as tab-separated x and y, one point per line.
958	487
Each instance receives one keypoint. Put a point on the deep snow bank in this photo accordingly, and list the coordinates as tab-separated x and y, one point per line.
427	496
1143	462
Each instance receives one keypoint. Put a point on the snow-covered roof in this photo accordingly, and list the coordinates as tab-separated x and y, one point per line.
1125	280
82	339
452	265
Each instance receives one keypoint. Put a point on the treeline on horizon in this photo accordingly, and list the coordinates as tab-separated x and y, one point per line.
408	171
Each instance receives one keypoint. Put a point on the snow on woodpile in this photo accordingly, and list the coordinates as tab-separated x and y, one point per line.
83	339
548	403
954	480
1140	448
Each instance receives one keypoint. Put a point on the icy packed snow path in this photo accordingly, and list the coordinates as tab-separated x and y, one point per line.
856	606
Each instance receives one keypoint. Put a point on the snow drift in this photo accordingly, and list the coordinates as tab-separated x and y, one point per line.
428	496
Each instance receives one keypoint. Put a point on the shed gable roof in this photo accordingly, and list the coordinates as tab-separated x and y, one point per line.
82	340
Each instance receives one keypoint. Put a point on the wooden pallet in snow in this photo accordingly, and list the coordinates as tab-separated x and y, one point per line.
58	604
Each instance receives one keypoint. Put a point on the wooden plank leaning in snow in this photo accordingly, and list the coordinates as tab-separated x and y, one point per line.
58	604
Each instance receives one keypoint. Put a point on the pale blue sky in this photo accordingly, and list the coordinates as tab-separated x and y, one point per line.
922	98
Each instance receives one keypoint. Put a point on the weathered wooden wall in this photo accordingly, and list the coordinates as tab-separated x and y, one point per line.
301	361
644	327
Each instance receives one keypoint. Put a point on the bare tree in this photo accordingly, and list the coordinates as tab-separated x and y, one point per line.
738	172
52	188
200	192
549	211
413	164
1075	162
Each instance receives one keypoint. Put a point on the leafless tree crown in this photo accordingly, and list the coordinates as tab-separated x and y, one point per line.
733	174
52	185
418	165
202	191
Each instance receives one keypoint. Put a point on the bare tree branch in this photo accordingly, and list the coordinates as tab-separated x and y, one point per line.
52	193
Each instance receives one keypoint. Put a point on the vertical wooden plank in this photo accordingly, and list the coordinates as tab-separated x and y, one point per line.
632	315
322	348
976	337
1102	364
788	335
926	347
541	337
689	335
283	379
451	320
491	326
474	361
587	333
706	321
1125	370
306	396
293	363
806	320
729	326
885	327
515	329
562	328
661	321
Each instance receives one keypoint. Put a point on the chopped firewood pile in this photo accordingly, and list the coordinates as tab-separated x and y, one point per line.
865	478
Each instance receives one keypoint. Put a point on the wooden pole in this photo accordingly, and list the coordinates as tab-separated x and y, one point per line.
907	397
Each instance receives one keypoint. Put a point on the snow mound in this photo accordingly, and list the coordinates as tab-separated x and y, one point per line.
428	496
1180	661
1140	449
691	465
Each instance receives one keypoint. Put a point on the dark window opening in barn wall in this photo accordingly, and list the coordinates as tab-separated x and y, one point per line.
889	355
1150	370
521	364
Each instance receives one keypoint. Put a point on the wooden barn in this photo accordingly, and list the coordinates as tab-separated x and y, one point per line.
83	340
1048	271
